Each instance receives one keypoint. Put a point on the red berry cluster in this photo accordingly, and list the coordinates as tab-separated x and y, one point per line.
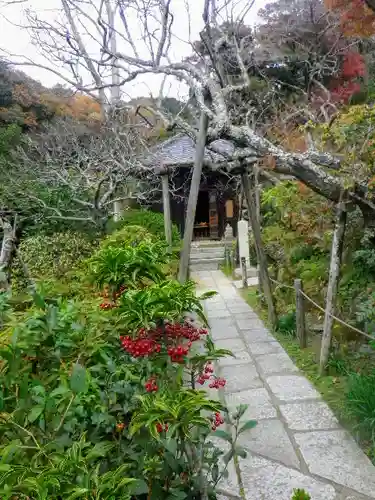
208	375
218	420
186	330
177	353
107	305
208	369
217	383
140	347
151	385
148	342
160	427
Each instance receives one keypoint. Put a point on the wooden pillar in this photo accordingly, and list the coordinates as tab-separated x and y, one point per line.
261	256
213	215
167	208
193	198
333	281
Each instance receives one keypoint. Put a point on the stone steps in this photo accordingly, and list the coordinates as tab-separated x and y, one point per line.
206	255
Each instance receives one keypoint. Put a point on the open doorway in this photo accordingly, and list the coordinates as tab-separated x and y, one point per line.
201	223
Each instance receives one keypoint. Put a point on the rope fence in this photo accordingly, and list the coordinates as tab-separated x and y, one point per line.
300	313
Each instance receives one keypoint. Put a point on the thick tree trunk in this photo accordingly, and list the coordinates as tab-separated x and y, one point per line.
261	256
333	283
193	198
167	210
6	253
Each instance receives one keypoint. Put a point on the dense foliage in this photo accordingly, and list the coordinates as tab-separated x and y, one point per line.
152	221
93	395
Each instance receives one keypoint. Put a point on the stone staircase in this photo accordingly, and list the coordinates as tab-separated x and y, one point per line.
206	255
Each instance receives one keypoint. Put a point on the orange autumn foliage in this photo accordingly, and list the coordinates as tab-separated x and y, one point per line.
79	106
357	19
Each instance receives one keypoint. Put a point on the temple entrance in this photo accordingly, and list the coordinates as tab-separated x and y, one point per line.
201	223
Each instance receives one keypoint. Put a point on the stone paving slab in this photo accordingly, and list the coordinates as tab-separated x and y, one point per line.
334	455
298	442
266	480
241	377
291	387
261	348
276	363
258	400
224	332
218	314
309	416
250	323
270	439
257	335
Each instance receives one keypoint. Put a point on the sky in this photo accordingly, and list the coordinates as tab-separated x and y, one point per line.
16	39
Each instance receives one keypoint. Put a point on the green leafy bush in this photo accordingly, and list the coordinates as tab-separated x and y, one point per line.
152	221
77	420
127	266
167	300
360	401
286	324
50	257
128	236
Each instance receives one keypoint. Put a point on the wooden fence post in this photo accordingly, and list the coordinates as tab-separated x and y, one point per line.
234	260
261	256
244	271
333	282
300	314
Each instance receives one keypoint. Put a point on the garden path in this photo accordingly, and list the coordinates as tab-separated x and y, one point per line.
298	442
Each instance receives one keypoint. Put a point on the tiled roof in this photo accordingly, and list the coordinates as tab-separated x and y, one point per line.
180	150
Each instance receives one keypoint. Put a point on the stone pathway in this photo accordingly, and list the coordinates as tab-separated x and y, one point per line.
298	442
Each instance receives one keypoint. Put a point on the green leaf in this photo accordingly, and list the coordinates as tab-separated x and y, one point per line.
241	409
171	445
223	435
39	301
35	413
100	450
140	487
241	452
177	494
78	493
250	424
79	379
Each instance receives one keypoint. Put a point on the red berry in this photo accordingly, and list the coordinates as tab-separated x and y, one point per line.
159	428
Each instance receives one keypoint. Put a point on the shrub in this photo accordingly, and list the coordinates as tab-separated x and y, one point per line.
360	398
152	221
128	236
50	257
286	324
88	414
128	266
76	416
